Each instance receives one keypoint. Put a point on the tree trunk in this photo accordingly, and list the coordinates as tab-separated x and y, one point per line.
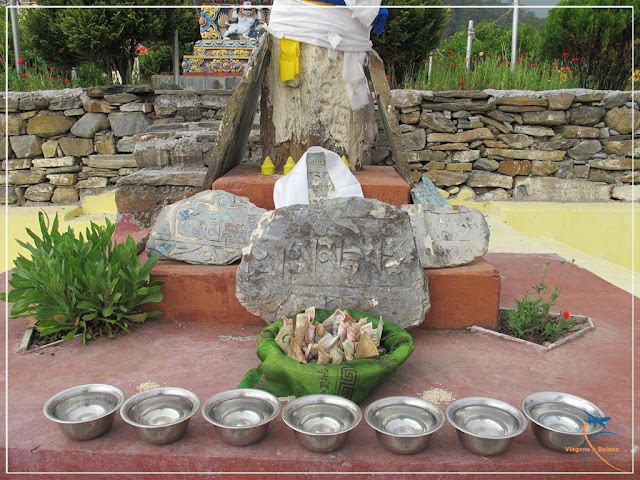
312	110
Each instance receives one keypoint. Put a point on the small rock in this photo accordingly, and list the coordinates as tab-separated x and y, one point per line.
63	179
406	98
620	119
516	140
551	189
533	131
414	141
104	143
39	193
54	162
586	115
543	168
26	146
546	117
446	178
64	195
615	163
128	123
560	101
76	147
465	156
48	124
487	179
90	124
585	150
486	164
436	122
515	167
627	193
577	131
92	182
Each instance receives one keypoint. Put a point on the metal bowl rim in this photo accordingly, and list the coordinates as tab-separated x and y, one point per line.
525	410
183	392
432	408
119	394
300	400
208	418
522	419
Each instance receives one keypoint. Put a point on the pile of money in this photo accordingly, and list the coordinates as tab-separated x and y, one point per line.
338	339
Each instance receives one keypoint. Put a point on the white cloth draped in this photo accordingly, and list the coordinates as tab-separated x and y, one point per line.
293	188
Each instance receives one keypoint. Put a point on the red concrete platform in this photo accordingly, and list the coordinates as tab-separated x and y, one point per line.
460	296
211	357
382	183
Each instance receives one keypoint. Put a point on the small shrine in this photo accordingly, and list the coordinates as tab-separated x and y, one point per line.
229	33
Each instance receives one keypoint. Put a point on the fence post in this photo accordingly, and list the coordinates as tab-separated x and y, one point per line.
514	35
469	40
430	65
176	59
13	11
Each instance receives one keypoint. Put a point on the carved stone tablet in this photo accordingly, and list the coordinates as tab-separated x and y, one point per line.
320	185
209	228
446	237
341	253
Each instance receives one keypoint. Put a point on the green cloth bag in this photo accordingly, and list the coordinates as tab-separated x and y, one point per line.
355	380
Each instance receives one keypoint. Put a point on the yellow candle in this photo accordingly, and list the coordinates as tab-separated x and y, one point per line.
289	165
267	167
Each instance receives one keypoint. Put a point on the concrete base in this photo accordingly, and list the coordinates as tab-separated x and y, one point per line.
210	358
382	183
460	296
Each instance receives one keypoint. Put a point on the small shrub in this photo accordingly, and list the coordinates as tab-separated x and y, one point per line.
81	285
531	319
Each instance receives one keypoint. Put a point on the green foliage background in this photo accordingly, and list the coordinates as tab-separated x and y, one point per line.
409	37
105	37
599	38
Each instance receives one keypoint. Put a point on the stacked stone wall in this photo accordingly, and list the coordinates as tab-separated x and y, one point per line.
571	145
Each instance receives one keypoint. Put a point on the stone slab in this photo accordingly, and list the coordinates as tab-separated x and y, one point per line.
379	182
209	228
446	236
550	189
341	253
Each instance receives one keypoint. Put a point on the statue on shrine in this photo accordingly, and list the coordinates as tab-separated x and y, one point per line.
243	22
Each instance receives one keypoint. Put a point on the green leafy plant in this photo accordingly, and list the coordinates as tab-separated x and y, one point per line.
531	320
85	285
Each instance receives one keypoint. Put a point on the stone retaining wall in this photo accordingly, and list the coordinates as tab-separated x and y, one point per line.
64	144
572	145
567	145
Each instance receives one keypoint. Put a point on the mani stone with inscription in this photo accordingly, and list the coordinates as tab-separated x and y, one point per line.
209	228
340	253
319	181
446	237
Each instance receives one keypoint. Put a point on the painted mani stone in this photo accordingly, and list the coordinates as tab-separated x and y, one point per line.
209	228
339	253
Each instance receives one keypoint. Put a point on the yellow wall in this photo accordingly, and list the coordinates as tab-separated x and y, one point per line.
94	209
602	230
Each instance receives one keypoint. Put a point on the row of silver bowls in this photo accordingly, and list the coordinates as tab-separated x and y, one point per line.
321	423
161	415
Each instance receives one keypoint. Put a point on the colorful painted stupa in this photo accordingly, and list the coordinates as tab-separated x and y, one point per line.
228	31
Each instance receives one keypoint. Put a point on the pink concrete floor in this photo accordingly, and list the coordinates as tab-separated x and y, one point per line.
202	358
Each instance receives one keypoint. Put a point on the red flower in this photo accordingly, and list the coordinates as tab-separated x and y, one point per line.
518	62
51	69
473	62
462	82
575	60
66	80
450	52
20	61
504	62
456	65
566	315
24	75
565	54
451	64
526	54
534	64
567	69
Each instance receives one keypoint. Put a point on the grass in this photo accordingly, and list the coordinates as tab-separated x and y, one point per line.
449	73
